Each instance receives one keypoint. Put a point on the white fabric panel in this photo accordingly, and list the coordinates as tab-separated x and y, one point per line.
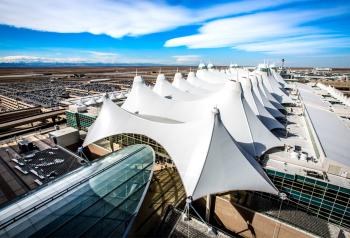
265	117
192	79
217	164
188	145
268	95
274	88
263	99
185	86
212	76
237	73
279	78
229	101
164	88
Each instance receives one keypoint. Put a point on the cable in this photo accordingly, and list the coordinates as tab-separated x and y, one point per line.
278	215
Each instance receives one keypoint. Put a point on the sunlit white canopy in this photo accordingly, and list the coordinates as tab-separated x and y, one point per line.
208	159
259	93
212	76
267	93
164	88
267	119
278	77
201	66
210	86
274	88
180	83
239	119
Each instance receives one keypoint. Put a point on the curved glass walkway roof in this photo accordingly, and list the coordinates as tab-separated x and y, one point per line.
99	200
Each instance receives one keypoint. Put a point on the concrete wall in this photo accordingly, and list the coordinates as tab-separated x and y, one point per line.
246	223
98	150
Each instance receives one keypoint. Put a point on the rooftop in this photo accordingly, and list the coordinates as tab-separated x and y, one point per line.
101	198
332	133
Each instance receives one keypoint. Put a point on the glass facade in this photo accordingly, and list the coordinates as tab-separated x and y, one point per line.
319	198
99	200
131	139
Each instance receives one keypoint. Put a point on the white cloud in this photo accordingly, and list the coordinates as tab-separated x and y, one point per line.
260	32
37	59
84	57
243	6
298	45
89	57
102	54
187	59
115	18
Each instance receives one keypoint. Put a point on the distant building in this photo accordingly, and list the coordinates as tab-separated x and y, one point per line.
322	70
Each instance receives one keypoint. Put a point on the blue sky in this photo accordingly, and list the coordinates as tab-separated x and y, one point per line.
246	32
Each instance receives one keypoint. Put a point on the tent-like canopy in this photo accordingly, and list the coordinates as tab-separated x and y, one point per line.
212	76
239	119
274	88
278	77
258	91
164	88
267	119
268	95
180	83
208	159
193	80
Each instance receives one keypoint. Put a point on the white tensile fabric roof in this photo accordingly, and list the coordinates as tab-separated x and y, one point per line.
264	96
212	76
259	93
164	88
192	79
206	156
279	79
268	94
183	85
275	88
272	89
239	119
265	117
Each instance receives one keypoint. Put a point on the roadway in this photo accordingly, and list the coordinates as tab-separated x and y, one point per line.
27	120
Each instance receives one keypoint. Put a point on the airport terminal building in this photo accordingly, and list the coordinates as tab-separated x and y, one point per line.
315	178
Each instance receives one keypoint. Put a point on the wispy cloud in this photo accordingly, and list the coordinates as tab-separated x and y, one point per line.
298	45
103	54
37	59
187	59
87	57
272	32
72	56
116	18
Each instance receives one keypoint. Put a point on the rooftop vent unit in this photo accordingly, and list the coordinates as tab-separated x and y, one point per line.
25	146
